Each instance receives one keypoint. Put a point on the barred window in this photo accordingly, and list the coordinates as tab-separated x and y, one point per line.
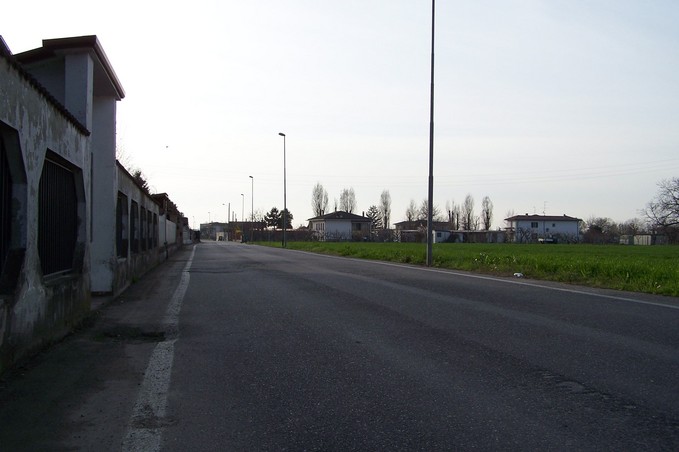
155	230
122	242
142	228
149	232
134	227
5	204
57	217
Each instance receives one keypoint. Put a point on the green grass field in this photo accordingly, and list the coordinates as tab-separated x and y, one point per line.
649	269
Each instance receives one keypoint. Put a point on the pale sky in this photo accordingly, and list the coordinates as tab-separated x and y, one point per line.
555	106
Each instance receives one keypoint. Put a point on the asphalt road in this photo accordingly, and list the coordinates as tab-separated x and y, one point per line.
238	347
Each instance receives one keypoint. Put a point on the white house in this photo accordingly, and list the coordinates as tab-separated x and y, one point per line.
539	228
340	226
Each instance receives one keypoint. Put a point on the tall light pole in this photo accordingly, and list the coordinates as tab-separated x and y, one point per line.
226	225
242	216
252	207
430	203
285	206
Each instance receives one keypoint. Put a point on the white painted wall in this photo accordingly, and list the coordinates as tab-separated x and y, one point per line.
550	227
338	228
544	228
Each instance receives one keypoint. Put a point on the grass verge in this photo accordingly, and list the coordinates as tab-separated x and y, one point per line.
648	269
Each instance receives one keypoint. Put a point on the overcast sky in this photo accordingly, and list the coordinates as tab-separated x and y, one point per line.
562	107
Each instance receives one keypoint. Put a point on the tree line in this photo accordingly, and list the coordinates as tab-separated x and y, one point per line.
660	216
380	215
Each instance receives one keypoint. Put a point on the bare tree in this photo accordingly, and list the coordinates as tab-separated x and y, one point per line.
487	213
347	201
456	217
601	230
411	211
124	158
633	226
454	214
385	208
469	220
509	214
663	210
319	200
423	212
449	210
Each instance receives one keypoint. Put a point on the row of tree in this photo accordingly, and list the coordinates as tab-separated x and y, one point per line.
460	216
661	214
379	214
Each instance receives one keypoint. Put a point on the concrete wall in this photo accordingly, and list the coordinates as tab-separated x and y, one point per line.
35	309
60	101
104	194
134	264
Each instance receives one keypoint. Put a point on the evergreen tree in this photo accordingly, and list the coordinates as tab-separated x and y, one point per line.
375	218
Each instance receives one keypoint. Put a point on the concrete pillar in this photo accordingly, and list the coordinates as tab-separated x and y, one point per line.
79	87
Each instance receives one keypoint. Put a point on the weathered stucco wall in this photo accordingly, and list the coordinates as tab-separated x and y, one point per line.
35	309
135	264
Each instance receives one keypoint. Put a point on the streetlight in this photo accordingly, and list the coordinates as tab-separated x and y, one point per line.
430	203
285	206
252	208
227	225
242	216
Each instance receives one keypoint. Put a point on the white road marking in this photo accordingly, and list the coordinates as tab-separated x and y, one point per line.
148	415
502	280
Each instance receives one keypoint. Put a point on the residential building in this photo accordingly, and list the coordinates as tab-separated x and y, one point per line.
543	228
340	226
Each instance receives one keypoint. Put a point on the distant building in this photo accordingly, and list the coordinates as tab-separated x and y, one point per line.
340	226
643	239
543	228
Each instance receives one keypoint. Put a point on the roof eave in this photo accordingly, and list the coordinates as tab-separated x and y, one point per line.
52	47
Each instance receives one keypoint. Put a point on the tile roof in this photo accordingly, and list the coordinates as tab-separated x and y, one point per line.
542	218
340	215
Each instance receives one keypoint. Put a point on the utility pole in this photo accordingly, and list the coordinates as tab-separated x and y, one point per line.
430	203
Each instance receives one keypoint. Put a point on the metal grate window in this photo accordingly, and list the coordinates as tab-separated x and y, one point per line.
57	218
134	227
149	235
155	230
5	204
143	228
121	225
